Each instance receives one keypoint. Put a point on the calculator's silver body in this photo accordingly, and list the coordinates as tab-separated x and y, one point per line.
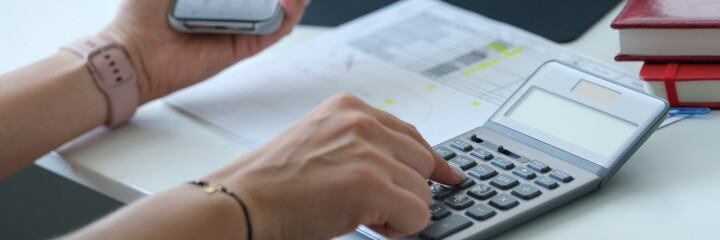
587	176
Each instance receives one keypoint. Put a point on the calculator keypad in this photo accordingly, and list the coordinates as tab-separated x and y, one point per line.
499	185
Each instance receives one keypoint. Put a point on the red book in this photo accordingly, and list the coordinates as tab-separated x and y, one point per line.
684	84
669	30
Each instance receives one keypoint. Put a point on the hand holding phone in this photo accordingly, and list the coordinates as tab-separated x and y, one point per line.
226	16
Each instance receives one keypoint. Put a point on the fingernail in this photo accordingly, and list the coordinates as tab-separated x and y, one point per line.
458	171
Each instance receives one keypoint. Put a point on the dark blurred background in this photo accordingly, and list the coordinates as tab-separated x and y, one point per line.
557	20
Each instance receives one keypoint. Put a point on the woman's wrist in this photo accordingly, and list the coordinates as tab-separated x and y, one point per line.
240	177
183	212
219	212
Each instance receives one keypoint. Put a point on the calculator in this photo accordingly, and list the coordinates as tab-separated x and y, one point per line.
562	134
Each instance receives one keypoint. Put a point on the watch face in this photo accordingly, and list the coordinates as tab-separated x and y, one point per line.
112	67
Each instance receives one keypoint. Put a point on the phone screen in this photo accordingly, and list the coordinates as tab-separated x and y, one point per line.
233	10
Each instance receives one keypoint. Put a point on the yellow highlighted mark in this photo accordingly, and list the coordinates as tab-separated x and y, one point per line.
476	104
379	107
431	85
389	101
513	52
482	65
497	46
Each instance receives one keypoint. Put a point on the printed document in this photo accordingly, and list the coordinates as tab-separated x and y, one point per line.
444	69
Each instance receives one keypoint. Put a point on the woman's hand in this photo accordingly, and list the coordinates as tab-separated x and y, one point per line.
342	165
168	60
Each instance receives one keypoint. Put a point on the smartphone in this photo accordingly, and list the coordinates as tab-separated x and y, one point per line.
226	16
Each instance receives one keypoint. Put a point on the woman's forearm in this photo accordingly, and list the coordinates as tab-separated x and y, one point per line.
184	212
44	105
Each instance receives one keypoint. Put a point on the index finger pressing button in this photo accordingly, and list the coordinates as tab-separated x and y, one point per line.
440	191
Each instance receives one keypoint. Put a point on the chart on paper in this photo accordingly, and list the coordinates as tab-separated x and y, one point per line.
483	62
441	68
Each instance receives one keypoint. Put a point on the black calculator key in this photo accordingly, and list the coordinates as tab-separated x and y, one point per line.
504	201
440	191
476	139
482	154
483	172
524	172
445	153
438	211
463	162
481	191
546	182
526	191
480	212
504	181
539	166
459	201
503	163
445	227
461	145
560	175
466	183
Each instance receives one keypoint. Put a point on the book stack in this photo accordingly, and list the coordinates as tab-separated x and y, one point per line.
679	40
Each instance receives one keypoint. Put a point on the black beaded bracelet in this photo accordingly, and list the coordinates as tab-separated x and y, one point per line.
210	188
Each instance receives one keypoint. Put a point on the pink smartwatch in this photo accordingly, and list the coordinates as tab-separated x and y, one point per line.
113	73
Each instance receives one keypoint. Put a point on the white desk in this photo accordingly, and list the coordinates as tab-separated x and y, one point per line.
668	190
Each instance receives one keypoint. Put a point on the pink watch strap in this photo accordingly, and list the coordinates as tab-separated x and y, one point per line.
113	73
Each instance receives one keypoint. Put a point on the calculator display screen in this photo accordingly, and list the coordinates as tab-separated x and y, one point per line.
571	121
